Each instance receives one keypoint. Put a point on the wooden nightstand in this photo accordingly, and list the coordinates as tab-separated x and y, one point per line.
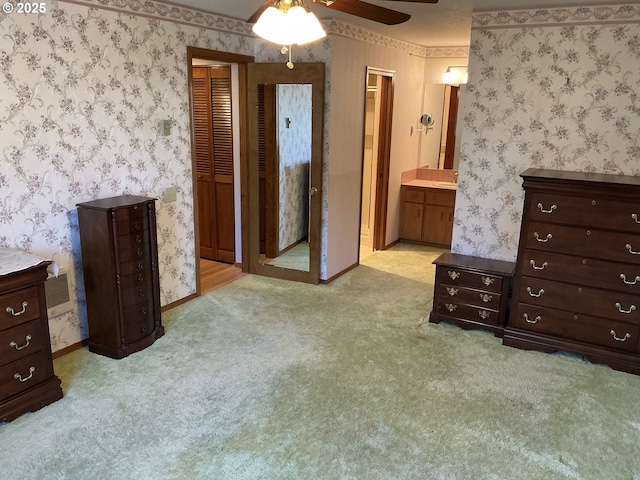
27	381
472	292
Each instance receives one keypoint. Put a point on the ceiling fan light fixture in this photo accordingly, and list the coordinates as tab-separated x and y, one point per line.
288	23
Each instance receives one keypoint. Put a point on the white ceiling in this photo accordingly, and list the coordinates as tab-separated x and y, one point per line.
446	23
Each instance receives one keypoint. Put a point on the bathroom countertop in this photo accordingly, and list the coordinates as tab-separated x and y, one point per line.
416	182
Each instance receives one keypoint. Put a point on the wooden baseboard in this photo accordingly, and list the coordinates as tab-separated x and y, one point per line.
337	275
70	348
178	302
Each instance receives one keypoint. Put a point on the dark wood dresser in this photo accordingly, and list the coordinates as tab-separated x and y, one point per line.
27	381
577	283
472	292
121	279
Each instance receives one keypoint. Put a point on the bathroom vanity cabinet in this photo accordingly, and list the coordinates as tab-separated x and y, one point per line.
426	214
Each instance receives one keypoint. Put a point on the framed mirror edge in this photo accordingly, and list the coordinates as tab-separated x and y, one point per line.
303	73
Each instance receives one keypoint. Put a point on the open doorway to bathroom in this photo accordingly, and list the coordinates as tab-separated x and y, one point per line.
376	160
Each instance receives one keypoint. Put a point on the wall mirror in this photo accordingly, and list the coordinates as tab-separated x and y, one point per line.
439	146
285	168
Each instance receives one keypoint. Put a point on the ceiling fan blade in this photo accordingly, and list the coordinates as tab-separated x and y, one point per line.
254	18
368	11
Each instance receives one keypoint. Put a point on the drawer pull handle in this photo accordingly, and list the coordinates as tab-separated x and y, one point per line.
17	376
635	217
136	226
488	281
485	297
553	207
141	293
452	291
17	314
624	279
15	345
631	309
139	252
138	239
549	237
454	275
541	267
619	339
140	265
630	248
534	321
143	311
450	307
536	295
484	314
140	278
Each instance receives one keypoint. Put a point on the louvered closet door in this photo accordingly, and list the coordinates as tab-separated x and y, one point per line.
214	161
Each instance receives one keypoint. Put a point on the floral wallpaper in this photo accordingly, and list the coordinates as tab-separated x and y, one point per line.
84	88
82	95
552	88
294	145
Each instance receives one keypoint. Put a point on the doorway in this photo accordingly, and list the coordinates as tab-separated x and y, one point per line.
376	160
230	180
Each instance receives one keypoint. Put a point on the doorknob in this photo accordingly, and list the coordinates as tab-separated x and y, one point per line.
313	191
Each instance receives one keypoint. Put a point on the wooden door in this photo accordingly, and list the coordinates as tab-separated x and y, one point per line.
452	125
213	134
268	171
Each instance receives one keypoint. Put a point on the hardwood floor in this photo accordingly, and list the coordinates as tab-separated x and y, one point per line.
217	274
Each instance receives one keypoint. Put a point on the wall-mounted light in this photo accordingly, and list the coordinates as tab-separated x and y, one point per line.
455	75
288	22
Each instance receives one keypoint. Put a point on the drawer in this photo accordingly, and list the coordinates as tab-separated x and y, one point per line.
615	246
138	321
451	308
131	247
587	211
137	294
133	225
622	307
593	272
470	296
412	195
445	198
130	212
22	374
135	279
19	307
20	341
458	276
136	266
581	328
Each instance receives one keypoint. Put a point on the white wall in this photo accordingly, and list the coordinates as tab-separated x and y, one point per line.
351	56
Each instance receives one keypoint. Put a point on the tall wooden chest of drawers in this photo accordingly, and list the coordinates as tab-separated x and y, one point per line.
27	381
472	292
121	279
577	283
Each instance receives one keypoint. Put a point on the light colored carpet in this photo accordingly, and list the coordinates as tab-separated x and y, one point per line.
297	258
268	379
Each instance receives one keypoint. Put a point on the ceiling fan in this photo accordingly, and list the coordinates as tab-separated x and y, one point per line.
354	7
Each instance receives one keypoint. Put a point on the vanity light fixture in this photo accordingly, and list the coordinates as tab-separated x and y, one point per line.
289	22
458	75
